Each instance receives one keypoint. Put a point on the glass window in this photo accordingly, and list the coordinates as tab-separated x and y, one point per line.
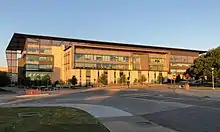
33	49
172	58
88	73
32	58
157	61
136	59
45	50
31	67
88	57
78	57
112	58
45	58
190	59
101	65
98	58
184	59
45	66
178	58
101	57
126	59
156	67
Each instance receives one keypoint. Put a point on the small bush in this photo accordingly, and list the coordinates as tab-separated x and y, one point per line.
103	79
142	79
74	80
122	79
135	81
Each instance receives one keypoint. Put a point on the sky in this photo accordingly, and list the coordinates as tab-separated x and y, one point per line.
193	24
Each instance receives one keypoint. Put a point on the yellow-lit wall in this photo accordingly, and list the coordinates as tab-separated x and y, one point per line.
57	52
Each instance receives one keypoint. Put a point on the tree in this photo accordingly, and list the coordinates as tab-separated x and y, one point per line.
103	79
28	81
46	80
135	81
203	65
122	79
178	78
74	80
142	79
37	80
160	78
5	80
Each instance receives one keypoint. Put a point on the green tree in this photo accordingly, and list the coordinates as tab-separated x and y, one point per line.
103	79
203	65
27	81
142	79
122	79
74	80
5	80
135	81
46	80
160	78
178	78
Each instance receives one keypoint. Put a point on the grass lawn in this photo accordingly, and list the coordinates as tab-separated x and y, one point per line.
48	119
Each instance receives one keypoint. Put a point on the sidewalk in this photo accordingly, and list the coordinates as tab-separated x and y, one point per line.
212	94
114	119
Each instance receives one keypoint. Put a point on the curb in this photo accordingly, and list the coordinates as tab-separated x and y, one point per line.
37	95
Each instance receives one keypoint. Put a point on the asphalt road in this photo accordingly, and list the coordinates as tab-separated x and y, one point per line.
178	112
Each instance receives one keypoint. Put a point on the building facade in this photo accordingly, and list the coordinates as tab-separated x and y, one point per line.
61	58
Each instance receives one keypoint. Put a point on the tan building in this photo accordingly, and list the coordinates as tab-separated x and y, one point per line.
61	58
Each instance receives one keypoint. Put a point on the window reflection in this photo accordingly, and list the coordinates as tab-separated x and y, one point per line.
187	59
31	67
101	57
45	66
33	49
45	50
101	65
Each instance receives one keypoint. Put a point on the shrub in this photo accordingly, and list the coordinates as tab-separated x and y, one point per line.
135	81
46	80
160	78
74	80
103	79
122	79
142	79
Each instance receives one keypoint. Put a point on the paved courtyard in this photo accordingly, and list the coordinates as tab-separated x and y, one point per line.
152	110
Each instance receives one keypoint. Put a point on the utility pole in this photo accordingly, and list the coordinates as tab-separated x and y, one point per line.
213	79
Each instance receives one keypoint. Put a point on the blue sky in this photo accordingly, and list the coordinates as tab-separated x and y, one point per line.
193	24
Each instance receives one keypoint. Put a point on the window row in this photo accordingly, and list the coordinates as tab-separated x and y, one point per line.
101	66
37	50
136	59
37	58
188	59
156	68
157	61
101	57
180	65
37	67
33	75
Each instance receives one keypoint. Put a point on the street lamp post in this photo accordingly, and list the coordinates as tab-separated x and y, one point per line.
213	81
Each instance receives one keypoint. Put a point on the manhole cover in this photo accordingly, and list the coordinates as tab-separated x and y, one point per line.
29	114
144	123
